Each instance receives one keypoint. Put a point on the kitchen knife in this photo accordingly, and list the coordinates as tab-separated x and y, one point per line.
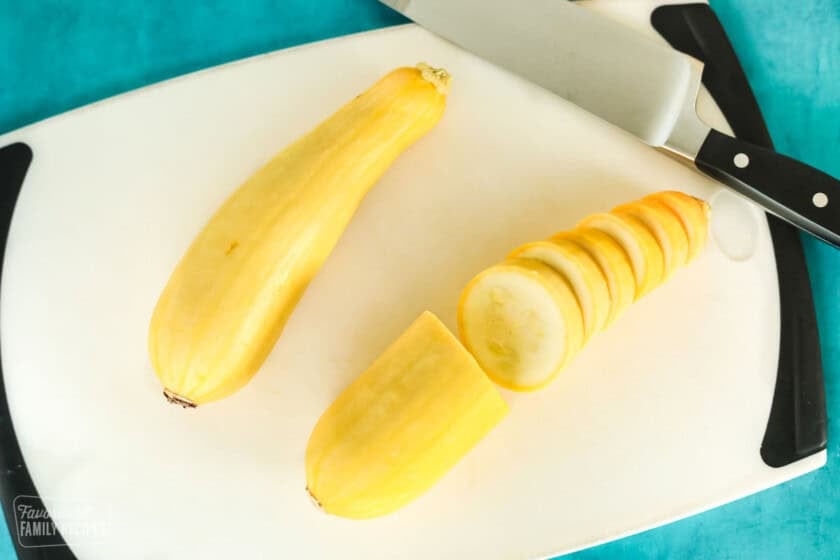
633	82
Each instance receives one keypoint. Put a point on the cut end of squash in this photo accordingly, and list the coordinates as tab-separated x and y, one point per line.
522	322
175	398
438	77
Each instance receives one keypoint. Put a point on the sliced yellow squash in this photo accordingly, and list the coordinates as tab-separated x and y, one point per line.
527	317
692	212
665	227
230	296
582	273
638	243
401	425
522	322
613	262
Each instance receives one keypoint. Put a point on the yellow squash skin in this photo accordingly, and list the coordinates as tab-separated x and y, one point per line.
401	425
228	299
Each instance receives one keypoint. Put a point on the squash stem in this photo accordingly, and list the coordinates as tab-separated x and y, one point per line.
438	77
174	398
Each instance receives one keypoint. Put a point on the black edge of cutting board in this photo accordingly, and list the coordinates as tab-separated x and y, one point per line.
15	160
797	425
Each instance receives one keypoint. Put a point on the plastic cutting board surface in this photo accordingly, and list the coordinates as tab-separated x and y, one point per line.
661	416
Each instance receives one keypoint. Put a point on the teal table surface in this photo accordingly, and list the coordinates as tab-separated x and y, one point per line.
56	55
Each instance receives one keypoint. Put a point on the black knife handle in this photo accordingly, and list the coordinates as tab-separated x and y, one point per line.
794	191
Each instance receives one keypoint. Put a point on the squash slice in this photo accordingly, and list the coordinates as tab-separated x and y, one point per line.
522	322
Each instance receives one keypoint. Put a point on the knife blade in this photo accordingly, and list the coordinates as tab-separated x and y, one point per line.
635	83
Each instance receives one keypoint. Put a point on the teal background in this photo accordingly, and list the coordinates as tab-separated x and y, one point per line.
56	55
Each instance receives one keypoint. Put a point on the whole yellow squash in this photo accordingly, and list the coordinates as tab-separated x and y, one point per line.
229	297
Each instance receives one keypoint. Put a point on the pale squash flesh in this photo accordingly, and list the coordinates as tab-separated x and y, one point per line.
522	322
582	273
613	262
401	425
639	244
228	299
665	227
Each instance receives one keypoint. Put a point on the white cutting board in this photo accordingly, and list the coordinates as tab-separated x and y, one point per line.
659	417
